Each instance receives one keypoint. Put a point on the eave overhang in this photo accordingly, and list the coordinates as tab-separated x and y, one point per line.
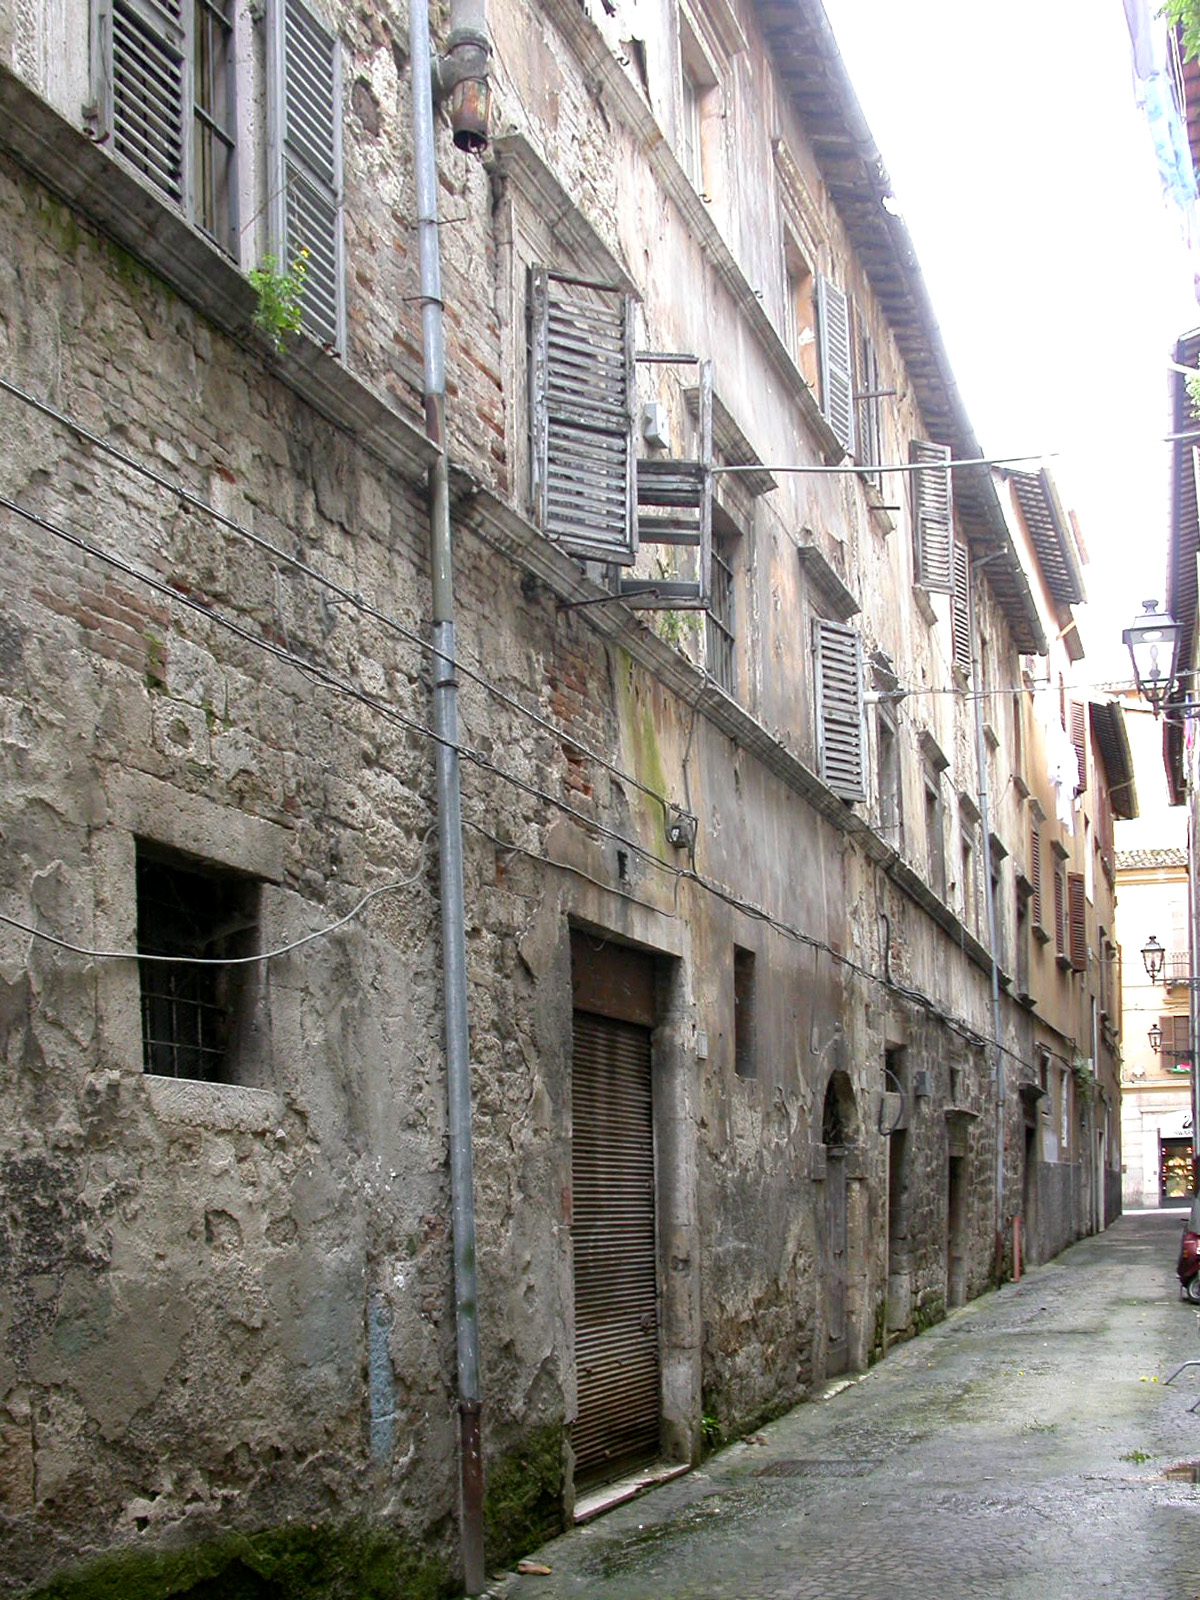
810	67
1112	740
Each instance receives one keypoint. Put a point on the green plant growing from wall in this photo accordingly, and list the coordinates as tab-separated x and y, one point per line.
1192	384
1185	14
280	291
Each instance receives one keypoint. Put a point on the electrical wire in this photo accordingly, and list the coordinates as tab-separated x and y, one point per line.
891	467
324	676
351	597
229	961
328	679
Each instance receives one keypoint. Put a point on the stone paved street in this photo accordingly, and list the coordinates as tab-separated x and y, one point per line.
1018	1449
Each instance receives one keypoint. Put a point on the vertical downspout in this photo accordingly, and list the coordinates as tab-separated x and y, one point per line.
989	902
445	722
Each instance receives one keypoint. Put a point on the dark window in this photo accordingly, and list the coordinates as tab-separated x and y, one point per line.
1022	905
891	807
745	1025
203	918
720	630
935	832
214	138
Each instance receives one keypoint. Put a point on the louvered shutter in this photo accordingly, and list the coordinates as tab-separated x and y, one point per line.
1077	917
834	355
868	410
840	755
1035	872
305	140
145	92
581	394
933	515
960	608
1060	935
1079	740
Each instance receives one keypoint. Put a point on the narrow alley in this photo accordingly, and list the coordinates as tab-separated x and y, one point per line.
1025	1447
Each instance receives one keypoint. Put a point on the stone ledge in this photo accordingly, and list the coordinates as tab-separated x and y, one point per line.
223	1107
105	192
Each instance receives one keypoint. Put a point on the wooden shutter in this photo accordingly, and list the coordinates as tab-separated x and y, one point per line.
305	166
834	355
933	515
868	410
840	757
1077	915
146	91
1035	872
581	393
960	608
1060	935
1079	740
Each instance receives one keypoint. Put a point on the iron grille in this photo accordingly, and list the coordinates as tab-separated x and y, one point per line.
189	1011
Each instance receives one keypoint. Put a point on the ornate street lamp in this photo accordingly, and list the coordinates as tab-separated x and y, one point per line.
1150	640
1155	1037
1153	959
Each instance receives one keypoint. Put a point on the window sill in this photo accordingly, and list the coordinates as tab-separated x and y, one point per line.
1064	963
99	187
223	1107
1040	934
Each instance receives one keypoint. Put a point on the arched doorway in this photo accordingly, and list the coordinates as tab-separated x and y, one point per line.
839	1135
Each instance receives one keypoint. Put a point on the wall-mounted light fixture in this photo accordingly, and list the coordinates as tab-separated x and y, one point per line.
1150	640
1155	1037
1153	959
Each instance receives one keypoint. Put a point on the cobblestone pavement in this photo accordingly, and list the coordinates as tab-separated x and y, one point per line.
1019	1449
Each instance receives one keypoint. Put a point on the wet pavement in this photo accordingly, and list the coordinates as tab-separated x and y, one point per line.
1021	1448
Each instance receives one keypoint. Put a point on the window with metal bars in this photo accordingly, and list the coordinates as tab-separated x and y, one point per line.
201	918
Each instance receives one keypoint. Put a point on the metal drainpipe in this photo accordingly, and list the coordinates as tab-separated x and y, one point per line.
450	854
989	902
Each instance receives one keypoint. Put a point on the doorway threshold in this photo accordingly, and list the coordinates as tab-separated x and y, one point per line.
609	1495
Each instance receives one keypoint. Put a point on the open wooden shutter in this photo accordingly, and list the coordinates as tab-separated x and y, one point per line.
1077	915
933	515
840	756
868	412
960	608
1060	915
146	94
581	395
1035	872
1079	740
305	167
834	355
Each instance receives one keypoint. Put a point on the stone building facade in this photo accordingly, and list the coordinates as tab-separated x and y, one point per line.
751	1096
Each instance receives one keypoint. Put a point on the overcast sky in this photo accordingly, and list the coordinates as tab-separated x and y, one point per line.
1026	174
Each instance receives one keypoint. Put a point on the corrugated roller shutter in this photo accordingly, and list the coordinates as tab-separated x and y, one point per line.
615	1249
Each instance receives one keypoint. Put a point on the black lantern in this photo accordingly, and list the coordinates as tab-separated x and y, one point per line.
1155	1037
1154	958
1150	641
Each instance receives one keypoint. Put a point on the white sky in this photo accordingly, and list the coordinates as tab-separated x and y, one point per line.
1026	175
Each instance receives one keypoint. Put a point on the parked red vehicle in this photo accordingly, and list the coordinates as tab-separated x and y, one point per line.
1189	1255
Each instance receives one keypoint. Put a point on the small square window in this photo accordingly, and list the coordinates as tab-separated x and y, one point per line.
202	919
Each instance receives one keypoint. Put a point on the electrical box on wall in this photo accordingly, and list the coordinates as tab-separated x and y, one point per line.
656	430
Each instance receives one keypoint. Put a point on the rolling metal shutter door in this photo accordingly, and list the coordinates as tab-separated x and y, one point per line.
615	1248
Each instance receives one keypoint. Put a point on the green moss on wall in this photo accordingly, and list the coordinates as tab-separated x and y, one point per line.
523	1497
292	1563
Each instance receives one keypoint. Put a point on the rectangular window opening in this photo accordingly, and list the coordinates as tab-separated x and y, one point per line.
193	1005
745	1022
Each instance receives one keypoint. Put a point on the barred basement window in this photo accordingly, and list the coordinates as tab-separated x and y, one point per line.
191	1013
